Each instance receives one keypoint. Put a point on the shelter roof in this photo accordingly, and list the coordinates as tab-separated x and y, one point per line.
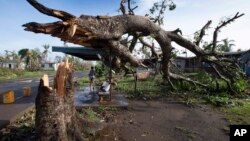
81	52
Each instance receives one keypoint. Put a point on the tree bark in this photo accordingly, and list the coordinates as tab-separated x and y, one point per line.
56	117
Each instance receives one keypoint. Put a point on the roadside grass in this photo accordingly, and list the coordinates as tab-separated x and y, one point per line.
151	88
16	74
90	115
239	113
84	81
28	74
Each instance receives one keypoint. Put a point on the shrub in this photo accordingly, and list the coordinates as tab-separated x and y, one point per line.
240	85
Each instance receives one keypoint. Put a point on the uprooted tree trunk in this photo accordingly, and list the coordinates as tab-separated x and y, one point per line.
106	32
56	117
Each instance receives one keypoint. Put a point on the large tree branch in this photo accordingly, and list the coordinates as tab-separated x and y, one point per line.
131	10
186	43
223	24
222	77
152	47
179	77
123	52
133	42
51	12
202	32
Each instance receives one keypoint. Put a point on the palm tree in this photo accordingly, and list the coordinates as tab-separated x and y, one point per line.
226	45
25	54
36	57
32	58
45	52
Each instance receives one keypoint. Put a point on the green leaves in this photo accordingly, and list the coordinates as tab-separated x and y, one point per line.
158	9
172	6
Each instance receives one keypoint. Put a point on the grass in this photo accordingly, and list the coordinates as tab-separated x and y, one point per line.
238	114
237	111
188	132
28	74
7	74
147	89
90	115
84	81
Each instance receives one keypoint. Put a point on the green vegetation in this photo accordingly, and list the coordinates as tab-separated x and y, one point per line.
151	88
14	74
189	133
21	130
83	82
238	113
235	107
90	115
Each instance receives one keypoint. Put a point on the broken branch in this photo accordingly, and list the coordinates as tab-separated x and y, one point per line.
51	12
223	24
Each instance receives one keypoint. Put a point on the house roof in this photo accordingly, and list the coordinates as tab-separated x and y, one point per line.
234	53
81	52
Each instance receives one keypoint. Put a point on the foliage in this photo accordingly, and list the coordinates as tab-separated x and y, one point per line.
21	130
45	52
161	7
226	45
240	85
82	82
238	113
78	64
32	58
6	73
90	115
218	100
147	89
12	74
154	88
100	70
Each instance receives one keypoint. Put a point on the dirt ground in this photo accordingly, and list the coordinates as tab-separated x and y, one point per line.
165	121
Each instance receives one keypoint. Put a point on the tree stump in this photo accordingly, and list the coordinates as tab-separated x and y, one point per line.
56	117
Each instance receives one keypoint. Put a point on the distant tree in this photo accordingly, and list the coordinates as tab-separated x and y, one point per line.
45	53
32	58
26	55
36	56
226	45
2	59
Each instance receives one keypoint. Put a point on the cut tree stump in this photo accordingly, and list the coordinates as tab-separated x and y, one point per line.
56	117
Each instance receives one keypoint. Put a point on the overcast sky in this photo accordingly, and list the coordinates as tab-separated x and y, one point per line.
189	16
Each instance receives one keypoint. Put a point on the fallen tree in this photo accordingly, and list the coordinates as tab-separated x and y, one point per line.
106	32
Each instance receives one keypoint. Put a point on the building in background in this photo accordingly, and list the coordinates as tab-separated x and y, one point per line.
11	64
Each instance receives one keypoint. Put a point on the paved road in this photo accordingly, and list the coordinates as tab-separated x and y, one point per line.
10	112
17	86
